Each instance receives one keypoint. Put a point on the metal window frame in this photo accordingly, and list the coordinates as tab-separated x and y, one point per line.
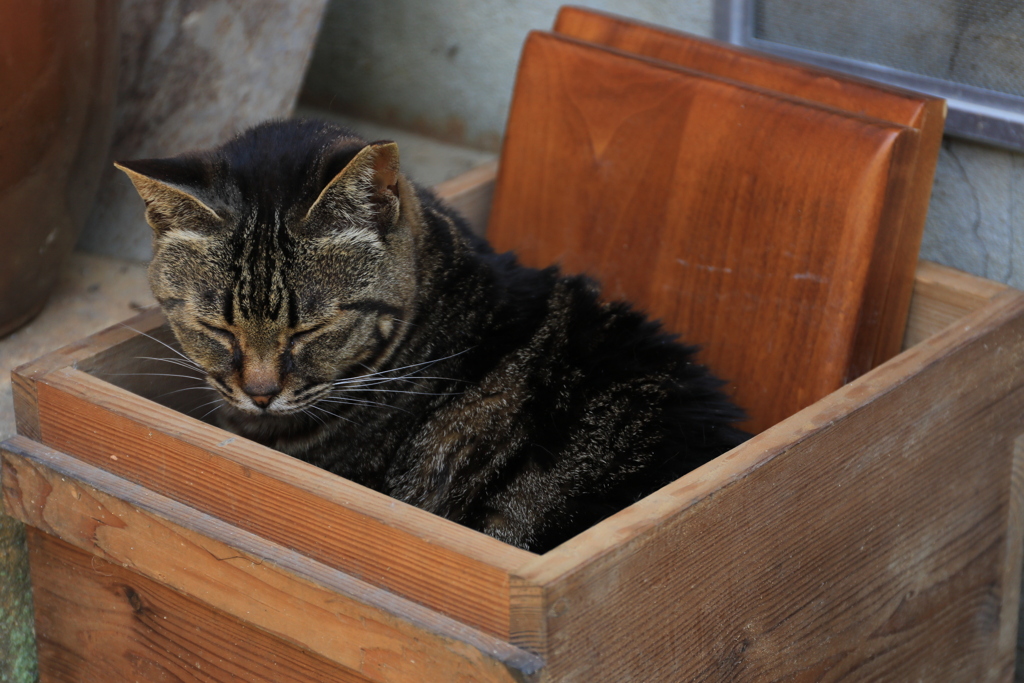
974	113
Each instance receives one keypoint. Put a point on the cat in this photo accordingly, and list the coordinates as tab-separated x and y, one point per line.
349	318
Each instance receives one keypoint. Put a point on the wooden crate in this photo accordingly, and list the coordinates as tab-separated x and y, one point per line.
874	535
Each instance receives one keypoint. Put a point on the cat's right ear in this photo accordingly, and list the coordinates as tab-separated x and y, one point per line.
171	204
363	196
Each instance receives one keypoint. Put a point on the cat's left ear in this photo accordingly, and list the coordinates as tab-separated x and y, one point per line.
363	196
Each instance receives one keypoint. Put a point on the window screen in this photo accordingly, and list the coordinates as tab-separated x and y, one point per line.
969	51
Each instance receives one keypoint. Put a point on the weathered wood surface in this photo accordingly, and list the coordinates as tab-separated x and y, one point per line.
97	622
668	186
943	295
925	113
139	580
864	538
390	544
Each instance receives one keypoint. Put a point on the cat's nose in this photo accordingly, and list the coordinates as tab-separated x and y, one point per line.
261	393
262	400
261	383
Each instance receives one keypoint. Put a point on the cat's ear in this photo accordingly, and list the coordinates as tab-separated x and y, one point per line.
362	196
168	186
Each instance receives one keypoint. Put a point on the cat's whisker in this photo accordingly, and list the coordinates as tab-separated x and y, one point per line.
191	365
217	400
211	412
306	410
205	388
399	391
381	373
148	374
359	402
165	344
403	378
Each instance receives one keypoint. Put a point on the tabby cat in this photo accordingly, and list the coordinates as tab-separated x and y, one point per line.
349	318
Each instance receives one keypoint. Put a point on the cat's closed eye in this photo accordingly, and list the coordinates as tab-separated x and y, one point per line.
219	332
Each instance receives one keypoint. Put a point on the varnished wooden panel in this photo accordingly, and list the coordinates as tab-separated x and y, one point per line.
871	537
848	93
717	207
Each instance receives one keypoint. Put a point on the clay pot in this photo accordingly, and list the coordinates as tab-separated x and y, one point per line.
58	79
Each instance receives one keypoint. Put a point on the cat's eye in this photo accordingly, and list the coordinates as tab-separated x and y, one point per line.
302	335
226	335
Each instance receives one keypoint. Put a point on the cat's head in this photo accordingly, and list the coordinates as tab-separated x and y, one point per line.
283	259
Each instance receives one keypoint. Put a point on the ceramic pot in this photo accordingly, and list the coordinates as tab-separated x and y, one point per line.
58	79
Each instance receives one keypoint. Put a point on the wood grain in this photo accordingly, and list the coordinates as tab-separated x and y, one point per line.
943	295
280	598
1013	563
97	622
670	187
925	113
450	568
865	537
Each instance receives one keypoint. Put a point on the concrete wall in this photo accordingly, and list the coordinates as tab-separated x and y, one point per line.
446	67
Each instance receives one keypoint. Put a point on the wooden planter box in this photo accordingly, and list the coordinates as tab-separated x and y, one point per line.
876	534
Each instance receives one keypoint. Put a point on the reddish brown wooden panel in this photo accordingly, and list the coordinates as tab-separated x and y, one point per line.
387	543
865	538
673	189
848	93
97	622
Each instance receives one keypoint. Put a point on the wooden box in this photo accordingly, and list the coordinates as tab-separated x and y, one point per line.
874	535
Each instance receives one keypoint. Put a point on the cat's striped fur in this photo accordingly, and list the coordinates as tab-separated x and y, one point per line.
350	319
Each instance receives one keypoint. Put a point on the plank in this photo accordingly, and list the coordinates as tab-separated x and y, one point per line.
848	93
667	185
864	537
97	622
943	295
208	570
24	377
438	563
470	194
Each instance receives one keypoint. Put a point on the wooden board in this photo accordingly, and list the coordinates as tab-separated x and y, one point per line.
717	207
97	622
868	537
925	113
382	541
137	579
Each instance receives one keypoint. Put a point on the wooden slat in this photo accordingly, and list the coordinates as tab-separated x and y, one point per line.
470	194
24	378
848	93
440	564
863	537
943	295
289	605
667	185
97	622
